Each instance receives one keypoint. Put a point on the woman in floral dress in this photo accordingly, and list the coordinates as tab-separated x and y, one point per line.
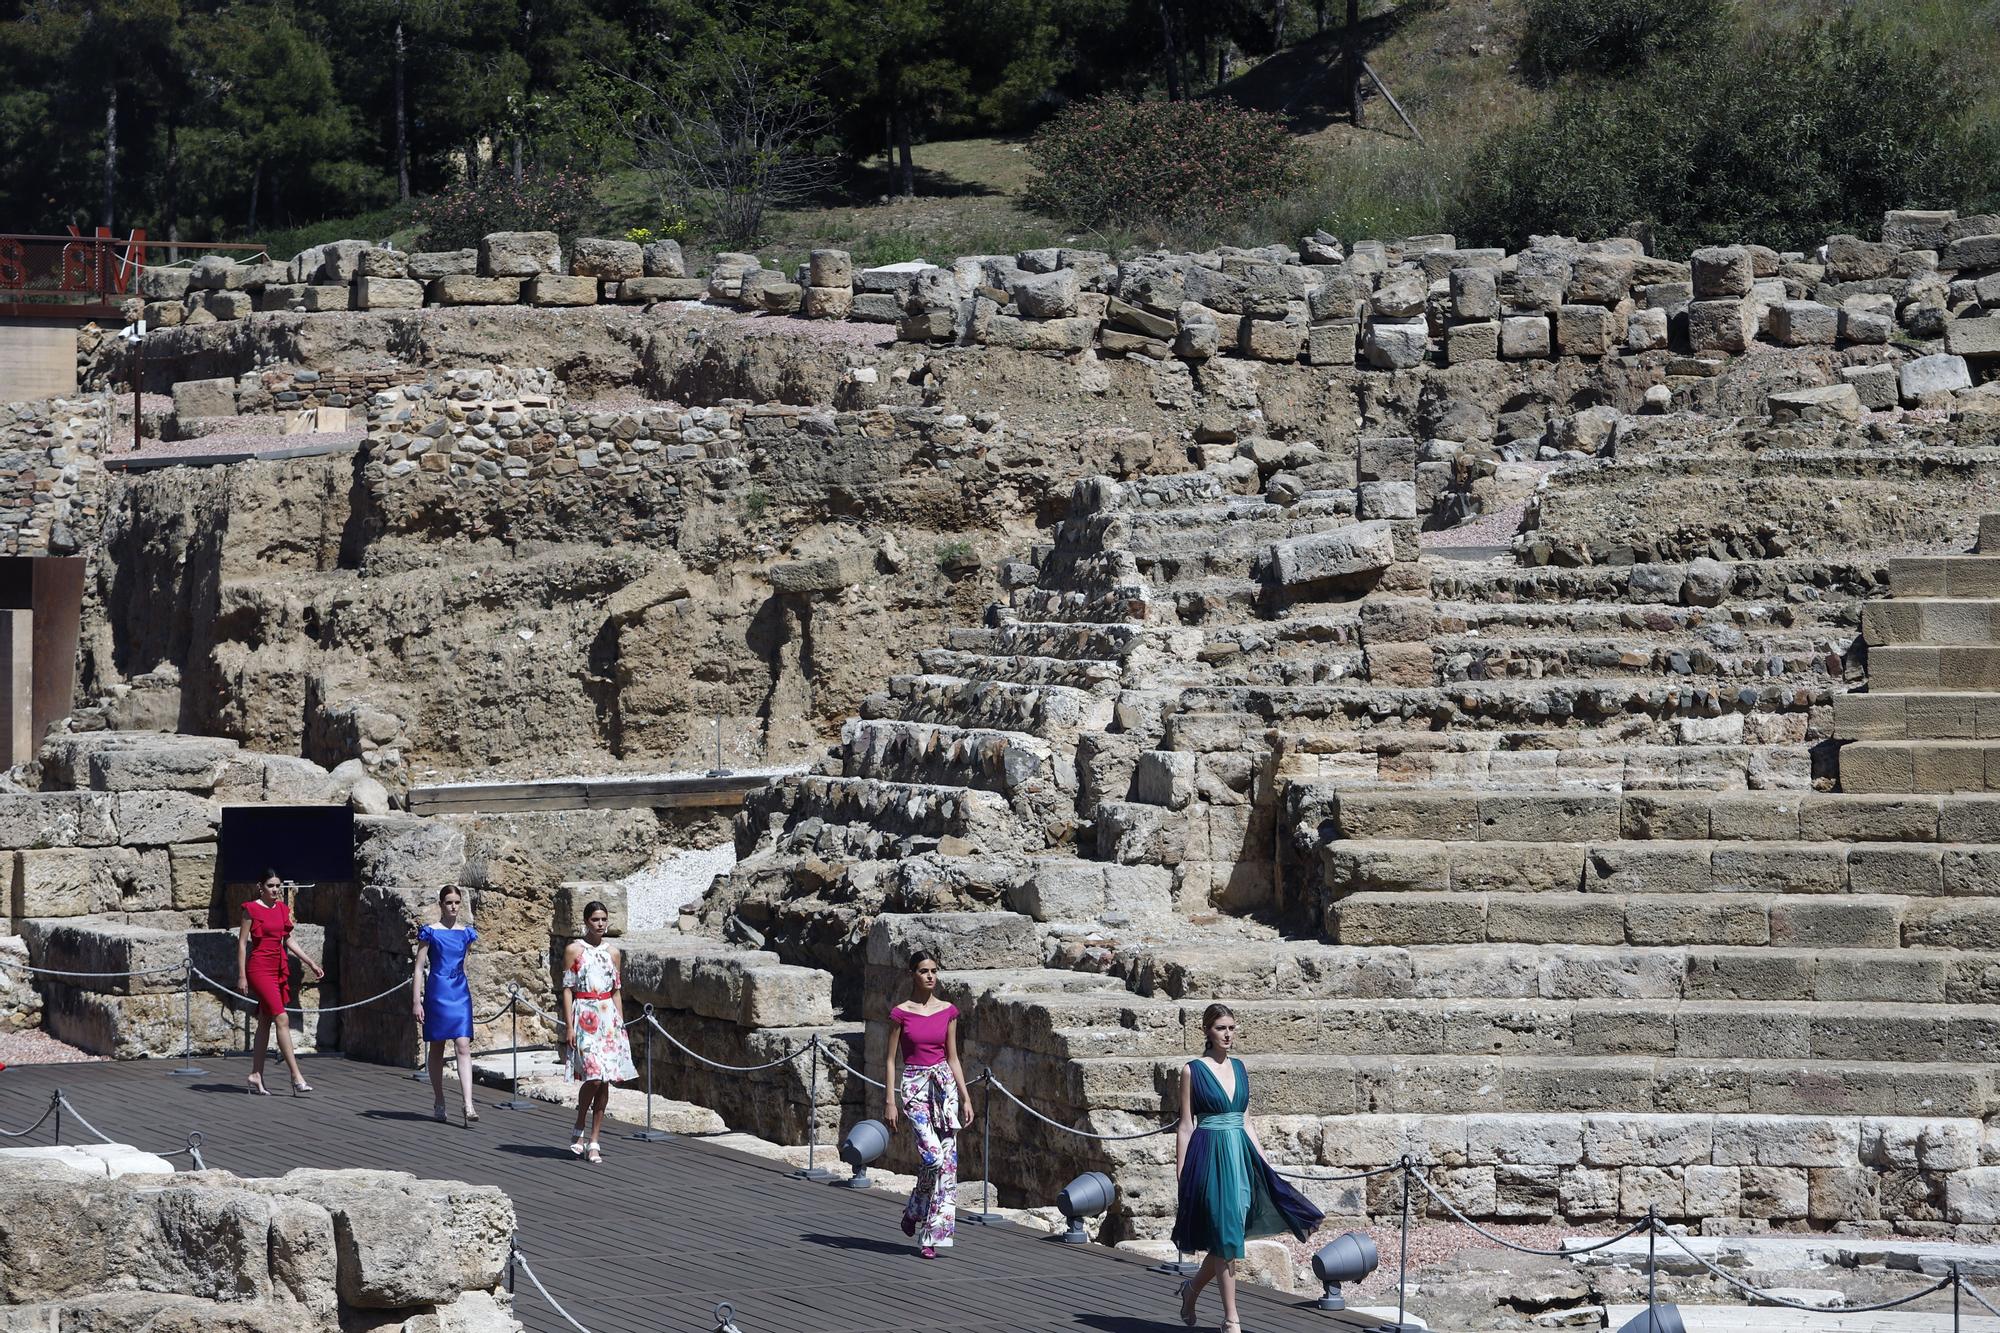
931	1089
593	1026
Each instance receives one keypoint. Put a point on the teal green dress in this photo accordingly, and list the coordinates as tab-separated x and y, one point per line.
1228	1192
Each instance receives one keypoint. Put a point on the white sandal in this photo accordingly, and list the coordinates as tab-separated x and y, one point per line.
576	1144
594	1157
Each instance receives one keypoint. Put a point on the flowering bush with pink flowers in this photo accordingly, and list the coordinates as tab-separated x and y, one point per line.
1113	162
558	200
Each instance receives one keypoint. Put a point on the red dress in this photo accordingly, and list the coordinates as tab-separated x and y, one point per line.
267	969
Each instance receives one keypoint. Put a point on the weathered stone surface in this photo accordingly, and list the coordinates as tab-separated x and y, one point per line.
1721	272
519	254
1358	551
607	260
556	289
470	289
1940	372
387	293
205	398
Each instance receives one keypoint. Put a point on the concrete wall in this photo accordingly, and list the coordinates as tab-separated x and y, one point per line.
37	359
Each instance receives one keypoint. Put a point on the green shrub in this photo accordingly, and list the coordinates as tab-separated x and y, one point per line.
1614	37
558	200
1782	140
1112	162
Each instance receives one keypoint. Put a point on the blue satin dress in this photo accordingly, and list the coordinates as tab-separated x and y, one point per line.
1228	1192
447	995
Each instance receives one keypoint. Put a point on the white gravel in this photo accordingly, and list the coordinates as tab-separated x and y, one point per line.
655	895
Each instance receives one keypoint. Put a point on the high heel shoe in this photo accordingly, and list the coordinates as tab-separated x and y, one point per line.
594	1157
301	1088
255	1083
576	1144
1187	1293
471	1115
437	1113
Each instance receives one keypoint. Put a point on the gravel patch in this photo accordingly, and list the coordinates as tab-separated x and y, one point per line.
39	1048
655	894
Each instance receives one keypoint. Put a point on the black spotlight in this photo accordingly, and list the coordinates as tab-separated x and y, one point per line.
1662	1318
861	1146
1348	1257
1086	1196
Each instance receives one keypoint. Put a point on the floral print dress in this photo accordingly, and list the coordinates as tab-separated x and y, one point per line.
598	1047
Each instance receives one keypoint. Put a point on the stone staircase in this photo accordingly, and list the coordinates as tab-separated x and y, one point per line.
1930	718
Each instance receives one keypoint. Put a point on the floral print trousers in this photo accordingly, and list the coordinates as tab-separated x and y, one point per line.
930	1104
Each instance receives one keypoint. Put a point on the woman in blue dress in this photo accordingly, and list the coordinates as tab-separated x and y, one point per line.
443	1000
1228	1192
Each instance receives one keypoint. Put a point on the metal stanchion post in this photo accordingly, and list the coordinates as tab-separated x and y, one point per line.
985	1217
58	1110
1652	1269
1954	1298
515	1102
1403	1257
513	1247
649	1134
811	1170
188	1068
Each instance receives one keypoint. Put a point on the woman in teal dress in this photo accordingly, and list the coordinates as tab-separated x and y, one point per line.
1228	1192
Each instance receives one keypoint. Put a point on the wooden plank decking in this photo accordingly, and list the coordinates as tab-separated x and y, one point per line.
665	1230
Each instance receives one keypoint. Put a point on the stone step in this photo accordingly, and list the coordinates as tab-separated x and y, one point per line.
864	817
1824	582
1714	708
1011	763
1975	576
1513	762
1713	625
1920	766
1932	621
1052	712
1591	817
1778	654
1668	866
1069	640
1926	667
1230	972
1851	921
1332	1085
1677	1029
1122	606
1074	672
1888	715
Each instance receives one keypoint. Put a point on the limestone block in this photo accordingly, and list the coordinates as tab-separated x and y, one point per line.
1273	339
607	260
1164	777
1533	1140
191	879
470	289
555	289
1475	293
961	940
282	296
57	819
375	262
1396	344
1972	1196
1866	328
213	1243
1804	324
81	881
574	895
1719	272
387	293
156	818
1587	1194
1386	500
1523	337
1876	387
1920	1144
1774	1192
1360	550
1713	1191
392	1251
1478	341
163	314
1526	1191
663	259
407	852
1600	278
1728	325
304	1257
205	398
780	298
827	302
1646	330
1027	335
1828	402
430	265
1586	330
230	304
1787	1141
1331	344
1646	1140
329	297
520	254
1941	372
1044	295
1643	1187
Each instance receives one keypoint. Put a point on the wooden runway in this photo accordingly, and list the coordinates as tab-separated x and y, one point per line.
657	1235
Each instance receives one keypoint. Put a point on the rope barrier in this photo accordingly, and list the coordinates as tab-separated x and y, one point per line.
47	1111
1756	1294
797	1051
1473	1226
137	972
1974	1292
1080	1133
521	1262
70	1106
827	1051
300	1009
1322	1180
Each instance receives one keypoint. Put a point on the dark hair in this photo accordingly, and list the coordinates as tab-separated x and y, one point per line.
446	890
270	873
1214	1014
593	907
922	956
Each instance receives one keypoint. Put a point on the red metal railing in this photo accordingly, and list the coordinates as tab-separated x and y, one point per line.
78	275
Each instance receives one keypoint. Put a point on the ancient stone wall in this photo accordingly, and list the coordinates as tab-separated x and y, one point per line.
51	473
311	1249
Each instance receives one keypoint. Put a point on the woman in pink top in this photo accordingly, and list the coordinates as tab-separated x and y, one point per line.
923	1039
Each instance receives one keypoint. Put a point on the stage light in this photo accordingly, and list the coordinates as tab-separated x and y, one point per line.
1661	1318
1086	1196
1348	1257
862	1145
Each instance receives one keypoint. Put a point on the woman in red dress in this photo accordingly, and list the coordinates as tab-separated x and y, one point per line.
263	971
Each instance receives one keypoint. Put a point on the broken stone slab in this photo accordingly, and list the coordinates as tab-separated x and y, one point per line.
1976	338
1940	372
205	398
1828	402
1360	550
663	259
379	263
1040	335
1876	386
